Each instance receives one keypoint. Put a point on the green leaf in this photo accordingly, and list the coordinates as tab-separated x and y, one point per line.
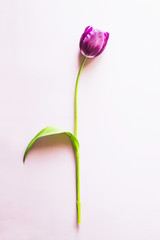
52	131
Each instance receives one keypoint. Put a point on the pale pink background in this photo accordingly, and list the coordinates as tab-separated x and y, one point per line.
118	128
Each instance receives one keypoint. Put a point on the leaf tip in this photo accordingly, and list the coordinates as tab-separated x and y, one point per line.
24	158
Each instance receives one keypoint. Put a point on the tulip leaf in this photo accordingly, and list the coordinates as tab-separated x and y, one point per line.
52	131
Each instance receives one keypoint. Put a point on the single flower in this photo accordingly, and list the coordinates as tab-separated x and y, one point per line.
93	42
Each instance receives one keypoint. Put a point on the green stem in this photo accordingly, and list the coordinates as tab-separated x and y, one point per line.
77	152
79	73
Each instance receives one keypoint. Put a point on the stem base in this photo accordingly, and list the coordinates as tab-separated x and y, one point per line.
79	212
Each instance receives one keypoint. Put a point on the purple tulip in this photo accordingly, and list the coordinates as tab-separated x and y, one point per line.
93	42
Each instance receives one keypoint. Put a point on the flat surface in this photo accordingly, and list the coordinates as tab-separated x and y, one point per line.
118	121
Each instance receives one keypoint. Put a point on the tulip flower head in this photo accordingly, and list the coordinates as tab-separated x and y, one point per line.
93	42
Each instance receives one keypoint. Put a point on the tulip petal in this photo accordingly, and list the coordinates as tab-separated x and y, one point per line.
106	37
86	31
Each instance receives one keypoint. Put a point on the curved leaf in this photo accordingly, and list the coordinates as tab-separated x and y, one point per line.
51	131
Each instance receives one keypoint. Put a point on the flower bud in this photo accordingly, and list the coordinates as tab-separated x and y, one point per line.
93	42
